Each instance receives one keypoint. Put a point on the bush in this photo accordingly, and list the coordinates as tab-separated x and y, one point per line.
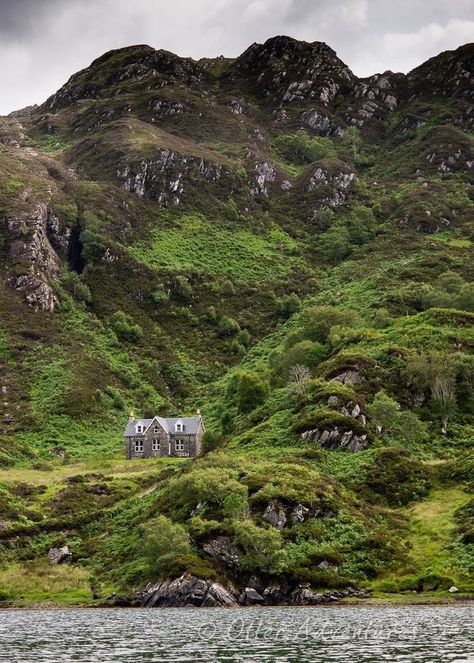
318	321
165	542
228	326
183	289
124	328
160	295
93	247
210	441
289	305
252	391
393	424
72	282
299	148
304	353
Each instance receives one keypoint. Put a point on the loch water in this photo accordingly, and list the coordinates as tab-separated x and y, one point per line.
362	634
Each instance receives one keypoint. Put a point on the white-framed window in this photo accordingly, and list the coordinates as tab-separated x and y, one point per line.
138	446
155	445
179	445
156	430
139	428
179	427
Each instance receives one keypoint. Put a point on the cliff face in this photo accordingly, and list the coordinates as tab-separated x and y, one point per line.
279	243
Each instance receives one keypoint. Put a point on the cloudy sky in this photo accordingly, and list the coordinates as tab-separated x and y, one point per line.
42	42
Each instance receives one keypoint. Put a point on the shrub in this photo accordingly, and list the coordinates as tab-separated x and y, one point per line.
93	247
228	326
72	282
209	442
160	295
318	320
304	353
182	288
289	305
261	546
393	424
252	391
165	542
124	328
299	148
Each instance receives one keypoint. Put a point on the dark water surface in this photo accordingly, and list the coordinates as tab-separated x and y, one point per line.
280	635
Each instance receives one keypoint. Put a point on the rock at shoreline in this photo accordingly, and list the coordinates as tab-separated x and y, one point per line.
188	590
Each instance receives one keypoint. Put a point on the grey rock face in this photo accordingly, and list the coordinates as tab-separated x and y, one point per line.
33	264
60	555
264	175
163	179
351	376
222	548
187	590
336	437
332	186
275	516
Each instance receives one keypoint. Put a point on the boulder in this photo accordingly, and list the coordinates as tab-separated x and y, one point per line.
187	590
453	589
60	555
299	513
250	596
275	516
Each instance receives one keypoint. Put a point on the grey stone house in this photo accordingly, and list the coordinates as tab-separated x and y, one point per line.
157	437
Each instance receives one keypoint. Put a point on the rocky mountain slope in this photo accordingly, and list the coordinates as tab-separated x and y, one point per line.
281	244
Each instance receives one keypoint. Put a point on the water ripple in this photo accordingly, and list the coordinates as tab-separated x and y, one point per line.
413	634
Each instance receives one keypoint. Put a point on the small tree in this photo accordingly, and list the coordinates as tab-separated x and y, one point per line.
252	391
435	371
353	139
300	377
165	541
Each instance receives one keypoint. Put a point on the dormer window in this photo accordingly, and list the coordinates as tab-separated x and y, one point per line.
139	428
179	427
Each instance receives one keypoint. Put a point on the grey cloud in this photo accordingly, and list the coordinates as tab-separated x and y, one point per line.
43	42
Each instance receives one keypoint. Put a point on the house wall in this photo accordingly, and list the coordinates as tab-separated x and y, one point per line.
192	444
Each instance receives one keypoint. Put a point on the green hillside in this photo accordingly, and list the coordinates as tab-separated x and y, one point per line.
287	248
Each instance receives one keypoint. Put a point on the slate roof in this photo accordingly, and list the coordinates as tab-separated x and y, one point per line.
191	425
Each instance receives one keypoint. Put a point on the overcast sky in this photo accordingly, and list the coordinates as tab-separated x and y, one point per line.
43	42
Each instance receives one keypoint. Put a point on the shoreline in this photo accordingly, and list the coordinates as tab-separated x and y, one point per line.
381	602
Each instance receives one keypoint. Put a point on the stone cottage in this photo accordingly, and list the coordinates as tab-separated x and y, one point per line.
157	437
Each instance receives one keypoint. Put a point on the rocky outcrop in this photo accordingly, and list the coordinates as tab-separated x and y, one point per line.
275	516
292	71
330	183
33	263
320	123
222	549
304	595
187	590
60	555
264	175
337	438
164	178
